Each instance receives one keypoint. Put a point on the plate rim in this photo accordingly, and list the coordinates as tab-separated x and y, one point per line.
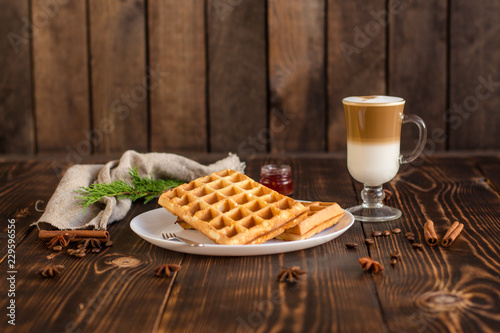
239	250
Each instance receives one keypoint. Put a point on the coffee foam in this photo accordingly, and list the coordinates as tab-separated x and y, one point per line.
373	100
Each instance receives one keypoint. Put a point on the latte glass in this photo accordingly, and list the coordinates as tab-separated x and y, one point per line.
373	150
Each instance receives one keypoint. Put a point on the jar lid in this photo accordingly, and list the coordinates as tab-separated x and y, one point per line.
276	170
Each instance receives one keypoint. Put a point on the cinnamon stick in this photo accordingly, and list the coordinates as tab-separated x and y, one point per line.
431	238
101	235
452	233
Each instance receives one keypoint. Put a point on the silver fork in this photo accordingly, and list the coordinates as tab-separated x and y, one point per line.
182	239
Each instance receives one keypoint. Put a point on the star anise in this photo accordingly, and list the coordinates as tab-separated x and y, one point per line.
22	213
51	271
166	270
290	274
371	265
62	240
92	243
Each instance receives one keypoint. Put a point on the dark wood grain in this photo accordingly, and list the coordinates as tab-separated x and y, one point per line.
297	75
474	61
237	84
16	117
178	101
435	289
93	291
417	66
119	75
23	184
61	94
490	167
356	59
441	289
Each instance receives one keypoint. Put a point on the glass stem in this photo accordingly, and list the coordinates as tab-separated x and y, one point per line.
373	196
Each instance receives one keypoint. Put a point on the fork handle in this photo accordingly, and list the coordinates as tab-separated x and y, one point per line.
188	241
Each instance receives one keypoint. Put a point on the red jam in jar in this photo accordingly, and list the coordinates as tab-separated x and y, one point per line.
277	177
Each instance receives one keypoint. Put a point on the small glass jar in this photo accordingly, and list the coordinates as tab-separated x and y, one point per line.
277	177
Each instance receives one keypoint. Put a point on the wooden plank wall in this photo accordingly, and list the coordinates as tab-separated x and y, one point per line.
60	77
16	116
247	76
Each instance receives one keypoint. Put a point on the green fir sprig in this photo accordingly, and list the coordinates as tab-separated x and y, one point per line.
141	188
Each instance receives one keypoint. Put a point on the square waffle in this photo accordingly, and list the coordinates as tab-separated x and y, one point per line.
232	209
320	215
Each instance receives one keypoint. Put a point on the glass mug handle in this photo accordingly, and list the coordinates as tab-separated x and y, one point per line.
422	138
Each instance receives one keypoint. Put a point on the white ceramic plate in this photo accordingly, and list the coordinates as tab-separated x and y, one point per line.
150	225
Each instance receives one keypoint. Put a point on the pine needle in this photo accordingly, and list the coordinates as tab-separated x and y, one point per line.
142	188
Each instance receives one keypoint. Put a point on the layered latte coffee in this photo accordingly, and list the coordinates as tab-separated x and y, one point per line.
373	137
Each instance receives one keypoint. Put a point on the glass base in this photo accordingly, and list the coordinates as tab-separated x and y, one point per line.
378	213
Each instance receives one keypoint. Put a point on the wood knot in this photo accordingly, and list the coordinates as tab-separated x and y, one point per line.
441	301
126	262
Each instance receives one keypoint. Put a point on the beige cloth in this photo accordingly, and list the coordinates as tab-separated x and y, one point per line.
64	212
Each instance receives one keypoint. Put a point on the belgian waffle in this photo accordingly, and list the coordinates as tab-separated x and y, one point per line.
232	209
320	215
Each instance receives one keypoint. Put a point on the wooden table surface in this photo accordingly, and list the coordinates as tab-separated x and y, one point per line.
454	289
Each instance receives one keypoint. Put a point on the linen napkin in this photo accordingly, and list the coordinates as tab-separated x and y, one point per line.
63	211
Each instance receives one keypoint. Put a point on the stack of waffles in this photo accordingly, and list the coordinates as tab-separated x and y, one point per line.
232	209
320	216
